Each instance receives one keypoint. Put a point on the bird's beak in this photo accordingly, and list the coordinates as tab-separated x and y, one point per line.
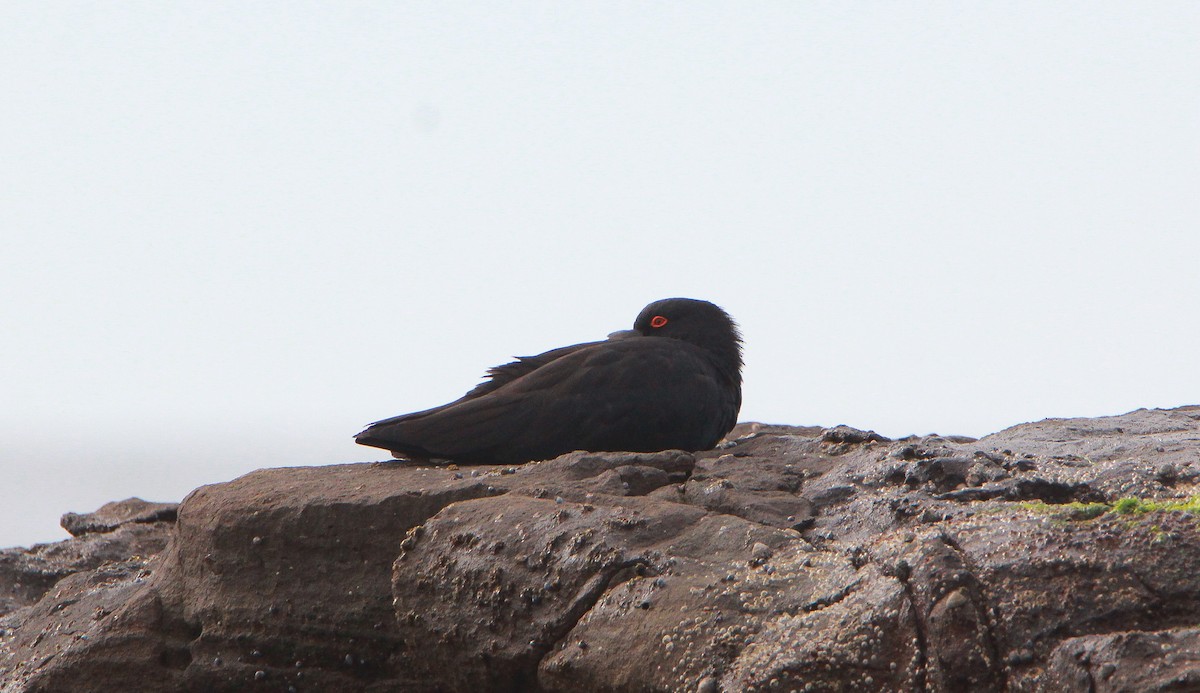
623	334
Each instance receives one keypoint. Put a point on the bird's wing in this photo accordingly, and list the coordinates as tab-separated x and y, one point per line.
499	376
465	430
435	432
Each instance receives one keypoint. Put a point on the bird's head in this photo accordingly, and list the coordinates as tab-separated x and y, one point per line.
695	321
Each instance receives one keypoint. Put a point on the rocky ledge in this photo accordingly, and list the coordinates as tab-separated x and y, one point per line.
1062	555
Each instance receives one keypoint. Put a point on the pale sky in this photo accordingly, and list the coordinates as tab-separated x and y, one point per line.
235	233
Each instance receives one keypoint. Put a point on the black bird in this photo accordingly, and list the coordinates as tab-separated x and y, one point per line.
672	382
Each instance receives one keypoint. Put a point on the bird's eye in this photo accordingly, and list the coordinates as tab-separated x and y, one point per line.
658	321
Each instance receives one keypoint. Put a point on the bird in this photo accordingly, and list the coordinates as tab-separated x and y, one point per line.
674	381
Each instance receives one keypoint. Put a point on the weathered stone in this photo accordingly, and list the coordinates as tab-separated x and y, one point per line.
1147	662
116	514
27	574
788	558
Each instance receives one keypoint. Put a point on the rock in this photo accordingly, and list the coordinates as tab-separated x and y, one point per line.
1163	660
131	528
110	516
788	558
94	631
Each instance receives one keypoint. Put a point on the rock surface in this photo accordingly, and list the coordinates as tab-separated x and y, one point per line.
115	532
788	559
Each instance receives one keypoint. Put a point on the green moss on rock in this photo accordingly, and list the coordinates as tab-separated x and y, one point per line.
1125	506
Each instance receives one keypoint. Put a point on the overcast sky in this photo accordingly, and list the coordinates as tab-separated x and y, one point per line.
234	233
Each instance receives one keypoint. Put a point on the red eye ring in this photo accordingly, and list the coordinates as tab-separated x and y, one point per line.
658	321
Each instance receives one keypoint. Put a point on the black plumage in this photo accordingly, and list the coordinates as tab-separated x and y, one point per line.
672	382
